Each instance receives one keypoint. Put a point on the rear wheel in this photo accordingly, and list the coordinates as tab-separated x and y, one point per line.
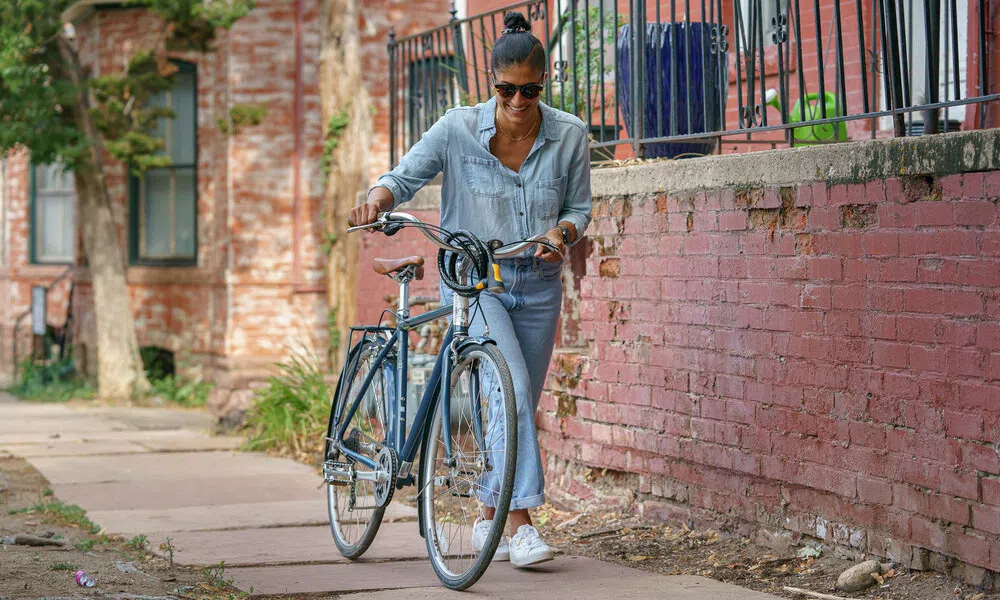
355	515
478	471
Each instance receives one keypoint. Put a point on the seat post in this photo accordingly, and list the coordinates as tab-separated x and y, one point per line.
404	292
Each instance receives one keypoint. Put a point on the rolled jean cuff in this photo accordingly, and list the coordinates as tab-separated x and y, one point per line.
529	502
516	503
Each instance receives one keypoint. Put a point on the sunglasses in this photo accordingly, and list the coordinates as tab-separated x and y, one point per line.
508	90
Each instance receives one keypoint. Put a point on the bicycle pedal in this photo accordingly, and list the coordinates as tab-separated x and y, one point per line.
338	473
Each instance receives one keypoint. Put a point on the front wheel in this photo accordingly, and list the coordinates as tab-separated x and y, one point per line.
469	467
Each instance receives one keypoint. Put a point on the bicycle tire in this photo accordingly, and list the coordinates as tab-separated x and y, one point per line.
432	465
338	497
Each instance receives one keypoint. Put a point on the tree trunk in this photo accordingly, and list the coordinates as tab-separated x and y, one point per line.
342	91
120	373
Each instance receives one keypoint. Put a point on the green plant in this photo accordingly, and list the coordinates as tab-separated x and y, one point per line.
242	115
183	392
63	566
592	38
289	415
56	381
47	492
334	129
138	544
62	514
215	577
168	547
85	545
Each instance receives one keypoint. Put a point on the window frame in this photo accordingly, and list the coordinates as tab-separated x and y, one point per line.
33	229
137	198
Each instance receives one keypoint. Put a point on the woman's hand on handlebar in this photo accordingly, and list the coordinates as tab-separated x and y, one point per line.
380	200
554	237
363	214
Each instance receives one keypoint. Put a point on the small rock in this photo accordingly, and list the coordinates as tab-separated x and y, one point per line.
126	567
859	576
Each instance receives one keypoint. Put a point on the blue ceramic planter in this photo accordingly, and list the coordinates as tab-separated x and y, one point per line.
684	49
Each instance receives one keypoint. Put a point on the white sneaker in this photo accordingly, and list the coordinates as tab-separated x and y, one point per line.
481	531
527	547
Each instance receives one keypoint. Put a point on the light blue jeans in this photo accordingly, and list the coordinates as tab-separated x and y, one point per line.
523	321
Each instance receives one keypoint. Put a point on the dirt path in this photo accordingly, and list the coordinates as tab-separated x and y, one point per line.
656	548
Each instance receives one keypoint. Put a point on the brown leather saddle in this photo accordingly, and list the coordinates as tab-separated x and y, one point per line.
392	266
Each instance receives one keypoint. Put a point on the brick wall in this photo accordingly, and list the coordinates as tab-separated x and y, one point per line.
18	275
789	360
813	360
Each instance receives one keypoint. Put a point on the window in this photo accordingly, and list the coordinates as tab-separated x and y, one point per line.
164	201
52	230
915	33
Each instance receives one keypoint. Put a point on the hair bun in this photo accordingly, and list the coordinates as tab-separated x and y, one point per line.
514	22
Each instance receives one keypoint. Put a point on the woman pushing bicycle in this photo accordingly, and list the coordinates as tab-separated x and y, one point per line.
513	168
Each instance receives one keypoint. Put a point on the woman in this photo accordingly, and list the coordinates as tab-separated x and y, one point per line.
513	168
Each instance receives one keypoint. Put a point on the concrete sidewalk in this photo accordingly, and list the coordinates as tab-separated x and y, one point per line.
158	472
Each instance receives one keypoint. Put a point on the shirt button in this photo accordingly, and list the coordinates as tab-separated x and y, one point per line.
518	184
521	213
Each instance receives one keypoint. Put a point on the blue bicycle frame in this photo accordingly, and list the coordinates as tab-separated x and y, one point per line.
406	445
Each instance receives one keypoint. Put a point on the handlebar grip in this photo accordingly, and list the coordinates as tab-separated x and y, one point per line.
495	282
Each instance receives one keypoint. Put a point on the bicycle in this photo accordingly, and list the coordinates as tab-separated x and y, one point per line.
467	443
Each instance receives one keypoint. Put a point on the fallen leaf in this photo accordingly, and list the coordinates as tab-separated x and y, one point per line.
890	574
810	552
978	596
878	578
637	558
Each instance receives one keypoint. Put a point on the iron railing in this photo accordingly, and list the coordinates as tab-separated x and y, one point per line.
701	71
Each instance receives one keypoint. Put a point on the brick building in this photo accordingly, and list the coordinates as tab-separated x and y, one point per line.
224	254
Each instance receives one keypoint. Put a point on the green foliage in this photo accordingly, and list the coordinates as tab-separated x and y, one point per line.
138	544
289	415
215	577
85	545
56	381
588	85
242	115
168	547
63	514
329	239
334	129
36	99
38	96
63	566
180	391
125	116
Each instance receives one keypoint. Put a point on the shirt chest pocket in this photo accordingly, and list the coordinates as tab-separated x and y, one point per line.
481	177
549	194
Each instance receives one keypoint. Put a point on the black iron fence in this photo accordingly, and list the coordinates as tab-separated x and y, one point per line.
698	71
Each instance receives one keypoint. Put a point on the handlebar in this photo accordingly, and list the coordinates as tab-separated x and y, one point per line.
505	251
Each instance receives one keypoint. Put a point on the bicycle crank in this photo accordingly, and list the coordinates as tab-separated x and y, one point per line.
388	468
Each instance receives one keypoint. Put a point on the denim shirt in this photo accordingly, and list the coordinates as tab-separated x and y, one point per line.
481	195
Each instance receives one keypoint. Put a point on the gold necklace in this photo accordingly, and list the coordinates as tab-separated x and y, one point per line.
496	118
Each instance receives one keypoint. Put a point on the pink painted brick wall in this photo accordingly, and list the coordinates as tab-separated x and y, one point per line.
797	357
